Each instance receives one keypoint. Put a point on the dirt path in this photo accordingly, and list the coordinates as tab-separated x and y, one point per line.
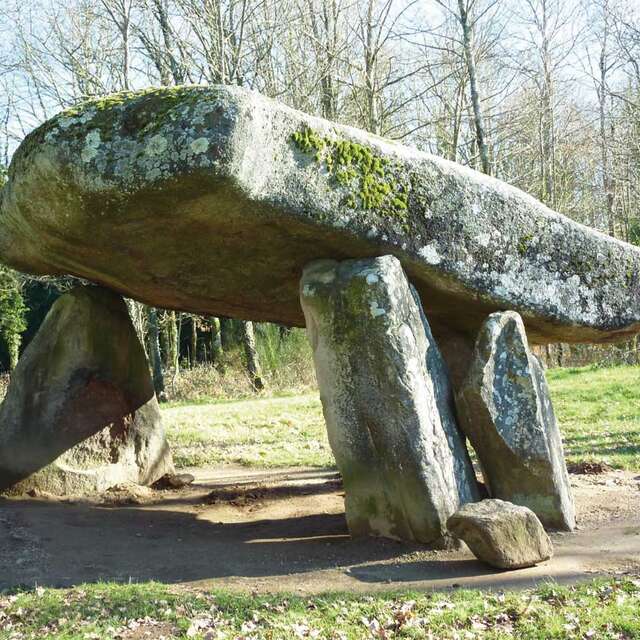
283	531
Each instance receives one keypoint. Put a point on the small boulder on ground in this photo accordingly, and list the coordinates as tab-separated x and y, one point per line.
386	399
504	407
502	534
126	493
80	414
174	481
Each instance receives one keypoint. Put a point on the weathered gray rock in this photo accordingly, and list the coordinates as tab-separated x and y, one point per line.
505	409
502	534
214	199
80	414
386	399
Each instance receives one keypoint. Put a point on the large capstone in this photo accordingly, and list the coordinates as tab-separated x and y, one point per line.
504	535
386	399
214	198
80	414
505	409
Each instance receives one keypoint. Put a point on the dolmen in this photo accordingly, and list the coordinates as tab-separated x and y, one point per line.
422	283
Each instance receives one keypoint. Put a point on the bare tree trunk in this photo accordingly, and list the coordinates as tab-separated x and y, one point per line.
227	333
548	355
467	37
154	354
548	118
373	120
217	353
168	38
251	354
163	337
174	344
605	143
222	68
193	356
328	79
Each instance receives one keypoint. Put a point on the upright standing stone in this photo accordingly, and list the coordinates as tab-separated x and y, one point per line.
80	414
387	400
505	409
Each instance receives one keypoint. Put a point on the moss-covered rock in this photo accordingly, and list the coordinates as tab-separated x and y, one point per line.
212	200
80	414
505	410
386	399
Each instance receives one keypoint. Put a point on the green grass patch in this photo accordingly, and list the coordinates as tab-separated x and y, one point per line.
263	432
602	609
598	411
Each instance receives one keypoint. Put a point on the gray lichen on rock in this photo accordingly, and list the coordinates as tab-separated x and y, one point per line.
387	400
505	410
211	180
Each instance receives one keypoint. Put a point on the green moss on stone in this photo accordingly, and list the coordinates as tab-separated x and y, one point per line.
373	181
524	243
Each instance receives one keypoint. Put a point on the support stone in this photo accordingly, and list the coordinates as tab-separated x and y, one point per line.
505	409
457	350
80	414
386	399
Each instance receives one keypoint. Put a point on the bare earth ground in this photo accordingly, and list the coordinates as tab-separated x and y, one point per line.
283	531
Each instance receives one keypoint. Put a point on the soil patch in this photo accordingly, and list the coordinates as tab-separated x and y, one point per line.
283	531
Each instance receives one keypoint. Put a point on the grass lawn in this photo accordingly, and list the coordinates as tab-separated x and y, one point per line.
263	432
601	610
598	410
599	413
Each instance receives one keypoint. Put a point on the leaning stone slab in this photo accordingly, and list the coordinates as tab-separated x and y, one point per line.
80	414
502	534
386	399
214	198
505	409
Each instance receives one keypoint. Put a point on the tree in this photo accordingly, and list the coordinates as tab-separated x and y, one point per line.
12	313
251	355
217	352
193	341
549	39
155	357
381	68
119	12
466	24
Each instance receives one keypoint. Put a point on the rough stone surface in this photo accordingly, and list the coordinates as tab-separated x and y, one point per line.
457	350
386	399
80	414
502	534
505	409
214	199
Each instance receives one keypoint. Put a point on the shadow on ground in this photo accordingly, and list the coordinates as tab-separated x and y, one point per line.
239	534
